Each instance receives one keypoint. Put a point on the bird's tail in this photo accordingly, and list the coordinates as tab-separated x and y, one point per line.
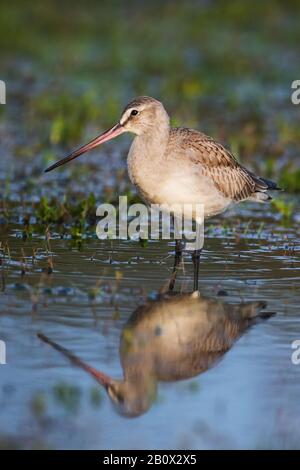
271	185
261	193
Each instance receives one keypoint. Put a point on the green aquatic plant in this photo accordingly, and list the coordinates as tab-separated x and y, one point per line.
289	178
96	397
27	231
143	242
81	213
49	211
285	208
69	114
38	404
68	396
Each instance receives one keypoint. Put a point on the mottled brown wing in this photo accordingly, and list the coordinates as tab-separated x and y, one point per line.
230	178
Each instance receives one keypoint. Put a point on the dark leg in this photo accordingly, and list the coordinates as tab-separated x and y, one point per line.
177	261
196	260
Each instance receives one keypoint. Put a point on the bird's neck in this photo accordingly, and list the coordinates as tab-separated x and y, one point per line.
153	143
146	158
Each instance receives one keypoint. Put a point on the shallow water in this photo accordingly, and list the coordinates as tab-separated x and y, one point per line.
248	399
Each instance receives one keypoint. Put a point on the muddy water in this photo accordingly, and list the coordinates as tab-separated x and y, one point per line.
249	398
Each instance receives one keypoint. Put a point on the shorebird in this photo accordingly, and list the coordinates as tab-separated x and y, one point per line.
179	166
176	337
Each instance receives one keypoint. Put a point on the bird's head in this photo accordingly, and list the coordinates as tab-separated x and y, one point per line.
143	114
132	399
139	117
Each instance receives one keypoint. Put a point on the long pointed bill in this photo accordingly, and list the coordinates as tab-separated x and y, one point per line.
108	135
101	378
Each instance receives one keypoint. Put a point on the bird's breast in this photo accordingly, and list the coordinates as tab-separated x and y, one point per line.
162	180
146	168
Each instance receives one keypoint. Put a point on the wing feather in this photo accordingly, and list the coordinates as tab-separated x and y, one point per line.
217	163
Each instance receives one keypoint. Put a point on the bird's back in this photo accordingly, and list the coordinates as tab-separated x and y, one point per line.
218	165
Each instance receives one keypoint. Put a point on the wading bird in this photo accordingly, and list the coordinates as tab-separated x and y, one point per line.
179	166
176	337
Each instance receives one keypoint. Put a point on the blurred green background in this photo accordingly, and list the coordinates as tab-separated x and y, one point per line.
224	67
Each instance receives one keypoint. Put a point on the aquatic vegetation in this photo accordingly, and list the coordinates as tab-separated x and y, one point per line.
285	208
68	396
39	404
67	113
80	214
96	397
290	178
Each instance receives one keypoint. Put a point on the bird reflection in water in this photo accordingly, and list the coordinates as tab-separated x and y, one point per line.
175	337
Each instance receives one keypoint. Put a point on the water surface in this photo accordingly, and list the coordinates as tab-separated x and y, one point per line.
247	400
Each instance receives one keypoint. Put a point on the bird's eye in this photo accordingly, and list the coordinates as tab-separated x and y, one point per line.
134	112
